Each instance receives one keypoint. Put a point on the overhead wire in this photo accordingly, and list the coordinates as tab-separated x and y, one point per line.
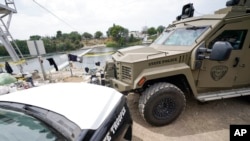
62	20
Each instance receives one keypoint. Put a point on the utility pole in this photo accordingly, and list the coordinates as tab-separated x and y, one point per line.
40	60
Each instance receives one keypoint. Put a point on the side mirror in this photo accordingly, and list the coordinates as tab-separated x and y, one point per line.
221	51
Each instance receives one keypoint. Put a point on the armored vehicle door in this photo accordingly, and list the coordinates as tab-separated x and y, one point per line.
225	73
243	75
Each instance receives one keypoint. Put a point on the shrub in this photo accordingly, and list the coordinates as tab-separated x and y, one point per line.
112	44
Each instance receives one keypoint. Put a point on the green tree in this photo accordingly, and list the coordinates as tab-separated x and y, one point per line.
60	46
118	33
132	38
22	45
48	44
87	35
3	51
35	37
152	31
98	34
68	46
160	29
74	36
64	37
58	34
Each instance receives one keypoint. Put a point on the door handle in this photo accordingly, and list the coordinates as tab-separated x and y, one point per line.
237	60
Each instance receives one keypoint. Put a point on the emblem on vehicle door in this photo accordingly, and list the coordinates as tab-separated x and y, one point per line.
218	72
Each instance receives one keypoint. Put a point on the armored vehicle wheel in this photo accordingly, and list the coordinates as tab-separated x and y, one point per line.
161	103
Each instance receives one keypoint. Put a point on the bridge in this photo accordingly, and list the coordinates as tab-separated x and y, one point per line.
6	12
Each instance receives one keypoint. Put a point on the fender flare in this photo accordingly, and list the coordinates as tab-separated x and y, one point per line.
165	71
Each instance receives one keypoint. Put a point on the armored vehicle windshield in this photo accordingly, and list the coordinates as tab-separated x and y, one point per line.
180	36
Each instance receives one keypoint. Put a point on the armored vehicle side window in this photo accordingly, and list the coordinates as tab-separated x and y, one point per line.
234	37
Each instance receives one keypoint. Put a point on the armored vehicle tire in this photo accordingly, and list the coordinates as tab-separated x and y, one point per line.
161	103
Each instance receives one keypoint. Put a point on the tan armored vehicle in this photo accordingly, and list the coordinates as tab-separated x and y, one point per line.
207	56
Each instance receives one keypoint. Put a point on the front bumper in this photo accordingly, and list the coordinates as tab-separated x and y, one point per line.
120	86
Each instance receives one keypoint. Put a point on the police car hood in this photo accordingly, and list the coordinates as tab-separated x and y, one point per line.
87	105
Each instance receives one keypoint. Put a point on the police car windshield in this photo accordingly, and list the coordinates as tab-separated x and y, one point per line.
18	126
180	36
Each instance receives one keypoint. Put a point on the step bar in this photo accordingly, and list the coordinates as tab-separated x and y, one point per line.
217	95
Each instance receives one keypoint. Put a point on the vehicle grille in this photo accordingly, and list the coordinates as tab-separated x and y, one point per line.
126	73
115	71
110	70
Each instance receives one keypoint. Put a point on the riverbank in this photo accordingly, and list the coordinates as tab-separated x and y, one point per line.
65	75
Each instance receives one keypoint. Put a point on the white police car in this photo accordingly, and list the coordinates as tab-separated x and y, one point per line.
65	111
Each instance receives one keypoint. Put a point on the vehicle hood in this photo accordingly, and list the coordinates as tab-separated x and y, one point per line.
87	105
142	53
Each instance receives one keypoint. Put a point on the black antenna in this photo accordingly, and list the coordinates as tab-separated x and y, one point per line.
187	12
232	2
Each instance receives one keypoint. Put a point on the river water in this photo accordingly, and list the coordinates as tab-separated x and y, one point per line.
100	54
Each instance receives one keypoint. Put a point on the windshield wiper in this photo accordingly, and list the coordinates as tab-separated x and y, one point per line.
193	27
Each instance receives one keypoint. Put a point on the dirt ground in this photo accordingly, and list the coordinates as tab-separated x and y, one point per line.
208	121
200	121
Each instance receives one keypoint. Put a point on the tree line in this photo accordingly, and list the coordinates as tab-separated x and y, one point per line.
117	35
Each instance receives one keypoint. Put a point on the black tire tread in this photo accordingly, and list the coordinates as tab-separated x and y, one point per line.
152	90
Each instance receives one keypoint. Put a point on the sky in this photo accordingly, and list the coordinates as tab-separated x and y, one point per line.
98	15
